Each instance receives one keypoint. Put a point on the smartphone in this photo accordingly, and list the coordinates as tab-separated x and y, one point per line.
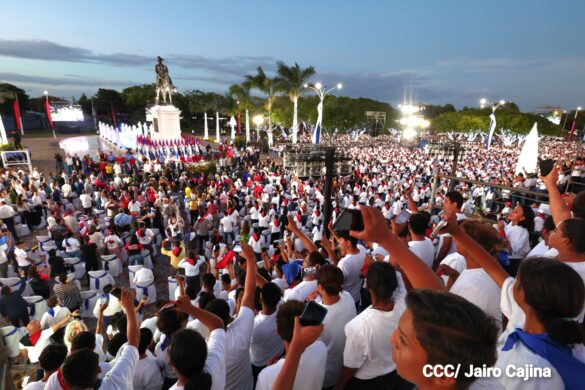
440	225
314	314
167	306
116	292
349	219
545	166
403	217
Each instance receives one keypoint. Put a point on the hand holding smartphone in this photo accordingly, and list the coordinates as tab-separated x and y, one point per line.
314	314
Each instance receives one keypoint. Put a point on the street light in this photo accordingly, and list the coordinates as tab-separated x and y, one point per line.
482	102
258	119
321	92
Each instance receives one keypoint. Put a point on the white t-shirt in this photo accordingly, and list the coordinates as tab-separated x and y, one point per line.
301	291
35	351
310	373
266	343
367	345
21	255
479	288
147	375
85	200
59	313
338	315
226	223
351	265
425	250
215	362
518	237
237	351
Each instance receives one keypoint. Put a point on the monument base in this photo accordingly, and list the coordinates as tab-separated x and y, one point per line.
166	122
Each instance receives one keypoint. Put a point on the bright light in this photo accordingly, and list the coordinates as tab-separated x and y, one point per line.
483	101
306	85
556	113
339	85
579	108
409	133
502	102
318	85
258	119
425	123
409	109
46	93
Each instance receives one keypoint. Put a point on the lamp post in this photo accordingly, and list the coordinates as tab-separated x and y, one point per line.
258	119
321	91
48	109
573	125
494	106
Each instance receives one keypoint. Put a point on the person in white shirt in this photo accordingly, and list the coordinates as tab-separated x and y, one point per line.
265	344
312	362
86	202
54	314
81	368
351	263
435	327
473	283
340	310
452	204
518	230
419	244
541	305
367	361
22	259
188	348
50	360
543	248
227	229
147	375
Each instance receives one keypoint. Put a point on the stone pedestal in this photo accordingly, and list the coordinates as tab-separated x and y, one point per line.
166	122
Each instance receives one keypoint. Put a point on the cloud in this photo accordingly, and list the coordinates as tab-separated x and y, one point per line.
38	49
69	80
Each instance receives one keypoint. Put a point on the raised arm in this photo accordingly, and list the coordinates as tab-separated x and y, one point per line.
250	283
210	320
64	321
307	242
100	321
376	230
132	327
303	337
558	208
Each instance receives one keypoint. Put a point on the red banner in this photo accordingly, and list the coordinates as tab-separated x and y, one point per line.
48	109
17	115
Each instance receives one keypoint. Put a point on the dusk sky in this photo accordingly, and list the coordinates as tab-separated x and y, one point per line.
530	52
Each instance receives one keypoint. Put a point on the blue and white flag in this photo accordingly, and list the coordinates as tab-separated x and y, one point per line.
491	130
316	139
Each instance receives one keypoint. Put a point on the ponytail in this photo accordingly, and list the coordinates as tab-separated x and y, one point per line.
556	293
564	331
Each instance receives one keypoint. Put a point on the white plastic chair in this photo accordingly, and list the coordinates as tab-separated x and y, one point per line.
147	259
112	264
38	306
12	336
22	230
99	279
131	272
89	299
45	241
78	266
148	289
14	283
173	285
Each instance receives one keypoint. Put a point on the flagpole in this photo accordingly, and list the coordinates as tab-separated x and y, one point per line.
48	108
19	114
573	125
93	114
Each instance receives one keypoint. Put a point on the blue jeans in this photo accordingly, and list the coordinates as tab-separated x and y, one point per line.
135	260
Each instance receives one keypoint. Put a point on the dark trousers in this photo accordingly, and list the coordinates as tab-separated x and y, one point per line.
21	317
383	382
255	372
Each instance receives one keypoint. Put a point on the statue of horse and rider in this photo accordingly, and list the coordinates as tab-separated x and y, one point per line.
164	84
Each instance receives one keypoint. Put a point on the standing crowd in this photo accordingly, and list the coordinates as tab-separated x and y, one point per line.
161	275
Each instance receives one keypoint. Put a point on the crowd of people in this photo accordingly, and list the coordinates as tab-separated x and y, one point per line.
157	275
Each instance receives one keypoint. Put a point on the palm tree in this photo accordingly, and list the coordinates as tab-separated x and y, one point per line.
292	79
267	85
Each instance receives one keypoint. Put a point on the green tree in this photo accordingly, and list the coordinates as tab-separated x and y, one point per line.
8	94
268	86
292	80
